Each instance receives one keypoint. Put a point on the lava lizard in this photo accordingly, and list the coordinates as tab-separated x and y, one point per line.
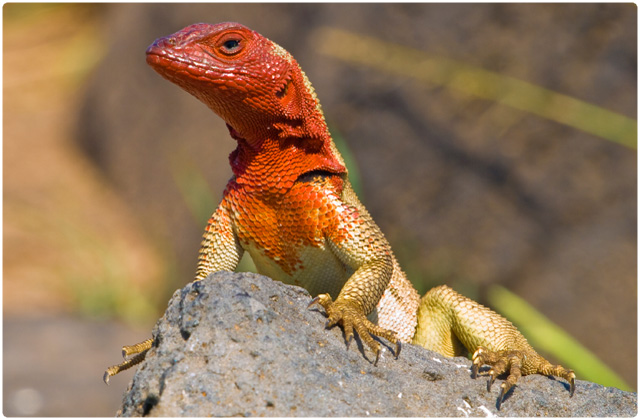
290	205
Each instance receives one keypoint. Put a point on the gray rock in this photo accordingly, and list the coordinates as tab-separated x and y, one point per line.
245	345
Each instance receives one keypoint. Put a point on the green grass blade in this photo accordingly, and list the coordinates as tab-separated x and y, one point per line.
518	94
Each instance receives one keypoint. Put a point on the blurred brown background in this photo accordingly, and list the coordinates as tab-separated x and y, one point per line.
110	172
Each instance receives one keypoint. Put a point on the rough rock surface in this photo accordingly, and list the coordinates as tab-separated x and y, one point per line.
245	345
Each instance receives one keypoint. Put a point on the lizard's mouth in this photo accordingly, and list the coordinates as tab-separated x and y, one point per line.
174	65
156	56
165	62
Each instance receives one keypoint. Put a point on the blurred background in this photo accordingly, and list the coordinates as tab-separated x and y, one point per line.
495	145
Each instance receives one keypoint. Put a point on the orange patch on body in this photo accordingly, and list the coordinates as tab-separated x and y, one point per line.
282	225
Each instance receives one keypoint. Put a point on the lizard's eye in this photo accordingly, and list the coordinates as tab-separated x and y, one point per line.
231	44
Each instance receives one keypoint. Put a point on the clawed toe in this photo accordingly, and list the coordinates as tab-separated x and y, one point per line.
138	353
500	362
503	391
572	385
350	317
491	380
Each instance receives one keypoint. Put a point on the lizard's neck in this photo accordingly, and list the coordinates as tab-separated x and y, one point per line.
272	166
295	142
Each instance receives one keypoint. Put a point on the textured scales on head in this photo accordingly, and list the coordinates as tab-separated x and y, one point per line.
257	87
278	50
281	52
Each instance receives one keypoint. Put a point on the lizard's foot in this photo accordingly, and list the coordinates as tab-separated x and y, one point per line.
500	362
352	317
515	362
138	351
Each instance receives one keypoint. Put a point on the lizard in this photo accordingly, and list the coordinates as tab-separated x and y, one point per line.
291	206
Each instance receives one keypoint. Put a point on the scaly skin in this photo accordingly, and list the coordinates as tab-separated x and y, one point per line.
291	206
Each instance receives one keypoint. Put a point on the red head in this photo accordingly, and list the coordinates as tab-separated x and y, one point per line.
260	92
248	80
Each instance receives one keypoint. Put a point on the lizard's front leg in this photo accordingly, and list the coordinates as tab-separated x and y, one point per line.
358	243
352	305
220	250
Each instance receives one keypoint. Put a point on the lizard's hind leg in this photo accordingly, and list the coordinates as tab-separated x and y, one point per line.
447	321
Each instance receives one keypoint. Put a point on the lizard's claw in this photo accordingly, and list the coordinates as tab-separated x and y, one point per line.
349	314
572	384
517	364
